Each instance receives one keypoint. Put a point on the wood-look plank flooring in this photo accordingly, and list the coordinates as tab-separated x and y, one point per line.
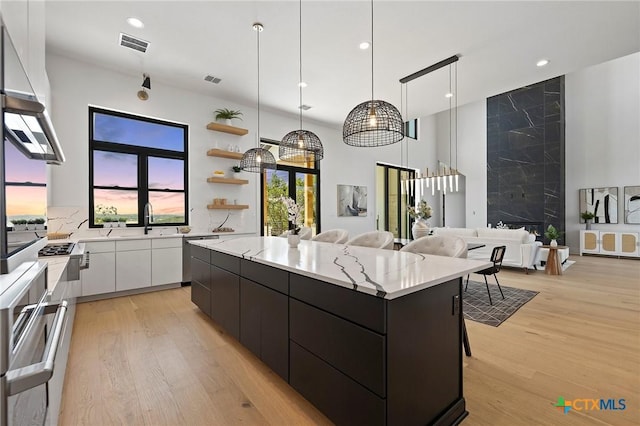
155	359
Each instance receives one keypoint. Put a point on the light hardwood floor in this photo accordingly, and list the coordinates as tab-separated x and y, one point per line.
155	359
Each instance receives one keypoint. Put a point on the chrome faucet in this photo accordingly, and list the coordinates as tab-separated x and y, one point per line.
147	217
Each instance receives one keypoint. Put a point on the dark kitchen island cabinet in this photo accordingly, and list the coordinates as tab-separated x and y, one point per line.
368	336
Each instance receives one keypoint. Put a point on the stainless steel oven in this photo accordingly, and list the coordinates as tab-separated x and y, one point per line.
28	344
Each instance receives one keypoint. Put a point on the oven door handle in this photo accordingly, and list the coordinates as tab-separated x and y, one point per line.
25	378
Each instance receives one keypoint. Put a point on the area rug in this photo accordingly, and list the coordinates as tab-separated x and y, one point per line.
476	305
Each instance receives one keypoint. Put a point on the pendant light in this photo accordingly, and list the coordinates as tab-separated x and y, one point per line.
258	159
301	146
374	122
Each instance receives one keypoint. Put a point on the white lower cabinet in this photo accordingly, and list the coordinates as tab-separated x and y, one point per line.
101	275
166	261
133	264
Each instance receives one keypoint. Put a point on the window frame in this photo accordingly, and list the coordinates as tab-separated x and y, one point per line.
143	154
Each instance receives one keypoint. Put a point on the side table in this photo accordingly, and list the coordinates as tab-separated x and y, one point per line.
553	266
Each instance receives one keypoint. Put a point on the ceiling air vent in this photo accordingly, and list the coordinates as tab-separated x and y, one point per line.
304	107
212	79
131	42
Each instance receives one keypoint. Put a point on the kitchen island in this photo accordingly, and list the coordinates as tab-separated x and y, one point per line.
368	336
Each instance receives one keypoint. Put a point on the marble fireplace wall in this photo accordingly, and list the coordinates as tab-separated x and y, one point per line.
525	156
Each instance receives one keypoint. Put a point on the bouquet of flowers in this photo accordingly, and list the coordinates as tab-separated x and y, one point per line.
295	213
421	211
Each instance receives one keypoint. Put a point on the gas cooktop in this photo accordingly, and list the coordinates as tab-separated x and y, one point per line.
60	249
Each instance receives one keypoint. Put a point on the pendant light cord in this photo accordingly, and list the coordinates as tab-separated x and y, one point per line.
372	50
258	132
300	53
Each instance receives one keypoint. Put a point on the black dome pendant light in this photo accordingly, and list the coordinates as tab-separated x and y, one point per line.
258	159
375	122
301	146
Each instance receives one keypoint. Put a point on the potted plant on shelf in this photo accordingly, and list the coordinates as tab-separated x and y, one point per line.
420	213
39	222
236	171
107	222
587	216
552	234
122	222
227	115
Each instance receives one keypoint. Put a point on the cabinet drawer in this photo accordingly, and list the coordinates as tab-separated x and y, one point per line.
200	272
366	310
225	261
166	242
276	279
129	245
343	400
201	296
355	351
100	246
201	253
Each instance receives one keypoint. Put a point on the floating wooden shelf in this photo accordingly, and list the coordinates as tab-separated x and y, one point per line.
224	154
227	206
219	127
231	181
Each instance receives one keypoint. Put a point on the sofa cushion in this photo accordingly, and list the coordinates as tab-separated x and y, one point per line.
507	234
458	232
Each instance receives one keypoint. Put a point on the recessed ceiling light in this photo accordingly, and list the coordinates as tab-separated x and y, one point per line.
365	45
135	22
542	62
302	84
448	95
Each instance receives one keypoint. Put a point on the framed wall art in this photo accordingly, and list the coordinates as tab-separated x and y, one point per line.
352	200
632	204
602	202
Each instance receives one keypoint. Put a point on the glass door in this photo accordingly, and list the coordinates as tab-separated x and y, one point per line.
392	199
298	181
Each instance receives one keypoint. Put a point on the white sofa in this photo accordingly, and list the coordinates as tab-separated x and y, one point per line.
522	248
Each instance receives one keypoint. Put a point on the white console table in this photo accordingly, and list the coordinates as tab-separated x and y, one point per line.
610	243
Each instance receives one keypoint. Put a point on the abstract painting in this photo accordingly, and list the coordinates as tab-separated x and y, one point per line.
352	200
632	204
602	202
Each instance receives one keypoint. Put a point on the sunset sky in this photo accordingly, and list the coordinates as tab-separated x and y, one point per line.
24	200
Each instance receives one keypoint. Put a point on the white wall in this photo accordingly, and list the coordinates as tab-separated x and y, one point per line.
75	85
602	136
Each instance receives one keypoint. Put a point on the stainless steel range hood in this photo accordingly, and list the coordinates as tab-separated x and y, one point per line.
27	125
26	122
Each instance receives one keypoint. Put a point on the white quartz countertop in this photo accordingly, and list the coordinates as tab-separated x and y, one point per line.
383	273
127	236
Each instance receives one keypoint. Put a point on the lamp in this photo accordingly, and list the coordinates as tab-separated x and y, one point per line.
146	84
301	146
446	175
374	122
258	159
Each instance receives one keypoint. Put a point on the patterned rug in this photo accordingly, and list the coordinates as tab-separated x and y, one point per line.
476	302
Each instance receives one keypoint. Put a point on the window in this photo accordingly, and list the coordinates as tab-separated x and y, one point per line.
133	161
301	182
25	188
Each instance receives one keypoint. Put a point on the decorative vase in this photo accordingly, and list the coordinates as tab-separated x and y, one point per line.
294	240
419	229
553	243
588	225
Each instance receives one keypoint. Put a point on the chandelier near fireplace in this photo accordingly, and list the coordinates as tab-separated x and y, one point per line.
446	175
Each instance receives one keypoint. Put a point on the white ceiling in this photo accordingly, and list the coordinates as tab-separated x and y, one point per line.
499	44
